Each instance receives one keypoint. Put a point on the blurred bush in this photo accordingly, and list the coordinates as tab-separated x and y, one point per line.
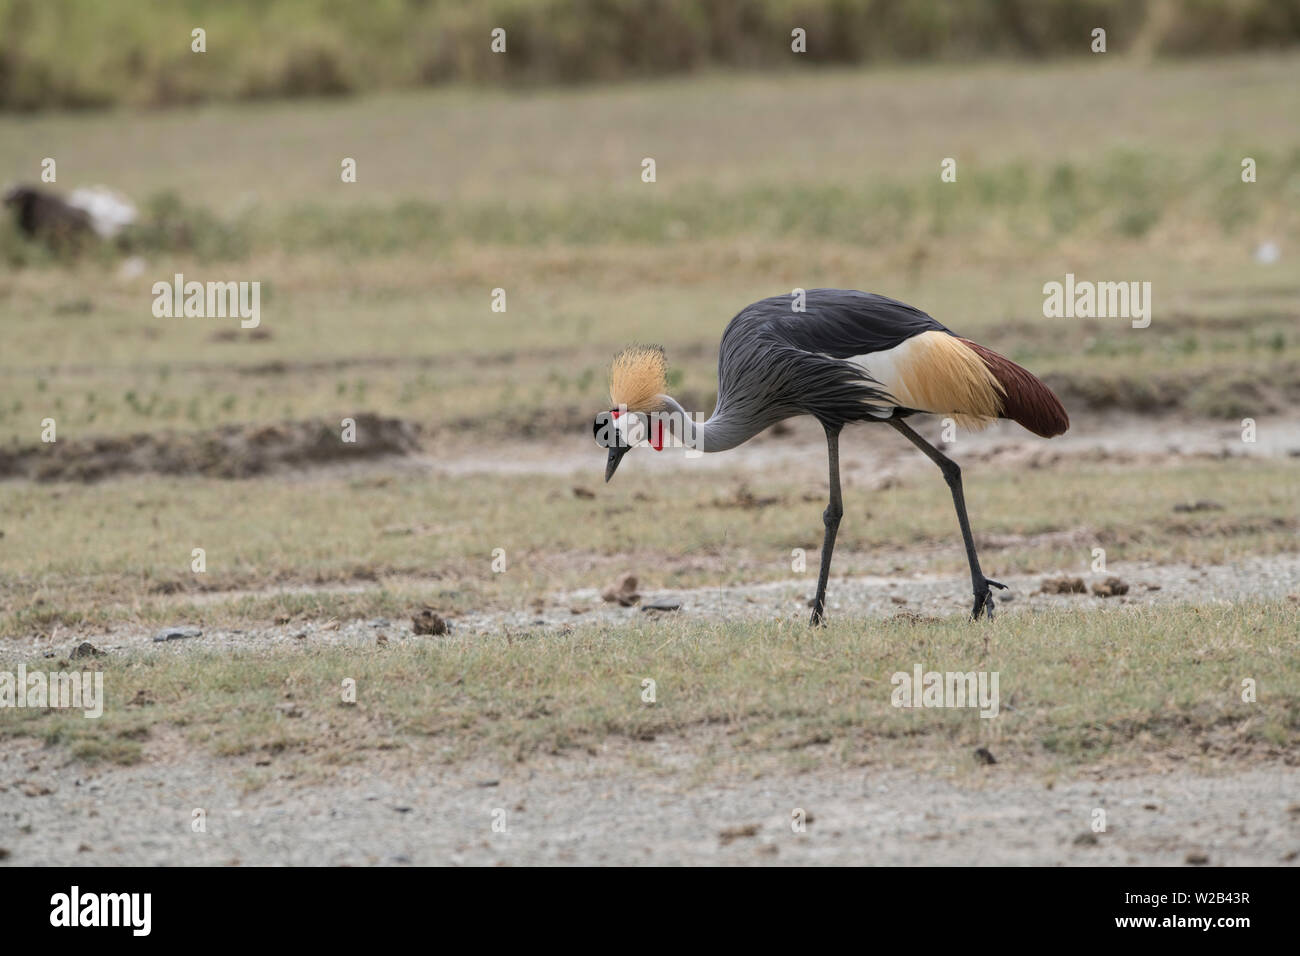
96	53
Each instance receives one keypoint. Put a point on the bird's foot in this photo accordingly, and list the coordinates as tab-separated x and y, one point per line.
984	598
818	618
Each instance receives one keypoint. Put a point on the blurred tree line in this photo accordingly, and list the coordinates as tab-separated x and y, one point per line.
98	53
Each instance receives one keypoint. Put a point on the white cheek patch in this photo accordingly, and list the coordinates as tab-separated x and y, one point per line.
631	428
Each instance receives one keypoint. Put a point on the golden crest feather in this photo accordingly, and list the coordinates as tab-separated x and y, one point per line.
637	376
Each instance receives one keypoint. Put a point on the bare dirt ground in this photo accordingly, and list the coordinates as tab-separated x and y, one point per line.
311	447
603	810
800	444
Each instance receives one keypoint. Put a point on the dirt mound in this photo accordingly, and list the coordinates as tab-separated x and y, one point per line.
1207	394
231	451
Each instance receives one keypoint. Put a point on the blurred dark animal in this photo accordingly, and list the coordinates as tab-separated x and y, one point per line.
95	212
44	216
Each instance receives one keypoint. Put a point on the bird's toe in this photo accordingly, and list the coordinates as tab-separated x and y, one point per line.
984	604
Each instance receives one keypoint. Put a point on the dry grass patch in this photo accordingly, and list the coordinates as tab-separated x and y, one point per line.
1076	688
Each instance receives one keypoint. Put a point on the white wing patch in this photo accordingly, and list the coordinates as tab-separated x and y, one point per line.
935	372
881	367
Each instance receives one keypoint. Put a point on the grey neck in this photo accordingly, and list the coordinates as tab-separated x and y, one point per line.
719	433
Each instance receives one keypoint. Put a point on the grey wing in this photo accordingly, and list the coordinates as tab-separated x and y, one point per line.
843	323
777	362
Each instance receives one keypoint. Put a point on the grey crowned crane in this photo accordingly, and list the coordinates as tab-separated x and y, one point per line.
847	357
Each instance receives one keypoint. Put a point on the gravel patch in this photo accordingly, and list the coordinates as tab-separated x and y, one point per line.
597	810
1273	577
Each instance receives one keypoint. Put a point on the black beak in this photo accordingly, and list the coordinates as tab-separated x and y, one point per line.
616	453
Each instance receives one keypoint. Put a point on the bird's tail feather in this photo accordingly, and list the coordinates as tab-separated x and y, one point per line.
944	374
1025	399
936	372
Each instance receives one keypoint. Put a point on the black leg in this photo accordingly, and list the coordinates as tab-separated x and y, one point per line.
831	519
952	475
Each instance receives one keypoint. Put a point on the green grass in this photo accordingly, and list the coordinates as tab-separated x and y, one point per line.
54	53
347	338
1124	192
1075	687
1130	123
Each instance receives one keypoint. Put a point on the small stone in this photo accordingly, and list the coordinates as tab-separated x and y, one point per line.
737	833
1087	838
86	649
664	604
177	633
1197	857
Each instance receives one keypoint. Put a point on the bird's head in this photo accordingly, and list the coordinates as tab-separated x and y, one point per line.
637	378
